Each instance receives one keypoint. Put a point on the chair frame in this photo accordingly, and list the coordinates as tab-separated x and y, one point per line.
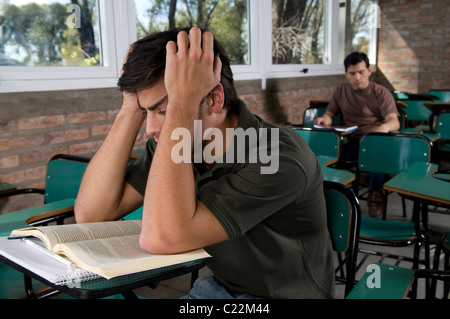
418	209
350	236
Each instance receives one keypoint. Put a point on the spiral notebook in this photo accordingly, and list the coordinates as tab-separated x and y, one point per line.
43	265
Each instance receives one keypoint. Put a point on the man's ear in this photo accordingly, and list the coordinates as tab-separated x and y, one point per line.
218	99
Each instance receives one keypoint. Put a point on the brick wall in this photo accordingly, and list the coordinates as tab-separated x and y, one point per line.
37	125
414	44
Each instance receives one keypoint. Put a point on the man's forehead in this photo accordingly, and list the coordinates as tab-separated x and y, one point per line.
357	67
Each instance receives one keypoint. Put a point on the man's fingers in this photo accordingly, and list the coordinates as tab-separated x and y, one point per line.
171	48
183	42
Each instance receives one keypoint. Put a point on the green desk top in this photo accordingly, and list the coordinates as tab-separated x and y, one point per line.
333	174
17	219
337	175
418	181
395	283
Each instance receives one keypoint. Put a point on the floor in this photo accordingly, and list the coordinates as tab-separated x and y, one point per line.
439	222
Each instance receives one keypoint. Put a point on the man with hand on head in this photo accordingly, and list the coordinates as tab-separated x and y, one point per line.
267	233
367	105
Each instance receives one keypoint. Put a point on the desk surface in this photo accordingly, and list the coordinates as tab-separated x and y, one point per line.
418	181
102	288
332	174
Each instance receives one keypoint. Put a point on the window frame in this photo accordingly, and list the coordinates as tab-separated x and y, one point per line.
118	31
48	78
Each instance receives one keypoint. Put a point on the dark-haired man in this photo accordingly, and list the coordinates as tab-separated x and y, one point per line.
266	229
367	105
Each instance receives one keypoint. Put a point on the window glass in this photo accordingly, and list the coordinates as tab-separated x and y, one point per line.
358	23
50	33
298	31
228	20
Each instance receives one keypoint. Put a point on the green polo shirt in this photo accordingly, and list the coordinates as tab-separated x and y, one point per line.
279	245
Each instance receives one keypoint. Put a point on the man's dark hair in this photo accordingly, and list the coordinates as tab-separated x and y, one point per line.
146	64
355	58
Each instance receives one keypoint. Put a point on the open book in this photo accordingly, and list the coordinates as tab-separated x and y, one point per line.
108	249
337	128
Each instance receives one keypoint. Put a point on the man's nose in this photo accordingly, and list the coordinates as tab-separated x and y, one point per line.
152	127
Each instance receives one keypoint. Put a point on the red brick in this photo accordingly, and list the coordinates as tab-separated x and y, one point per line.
9	161
21	142
86	117
40	122
42	155
67	136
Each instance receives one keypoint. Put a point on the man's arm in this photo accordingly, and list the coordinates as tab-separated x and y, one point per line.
173	220
325	120
103	194
391	124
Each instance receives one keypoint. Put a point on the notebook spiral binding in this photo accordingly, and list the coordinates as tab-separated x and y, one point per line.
76	277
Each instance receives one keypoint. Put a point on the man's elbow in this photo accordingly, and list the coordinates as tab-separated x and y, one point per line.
160	244
81	215
85	215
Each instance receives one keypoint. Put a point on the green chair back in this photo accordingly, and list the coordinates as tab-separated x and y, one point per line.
416	111
442	95
322	142
343	216
312	113
63	179
136	215
391	153
443	126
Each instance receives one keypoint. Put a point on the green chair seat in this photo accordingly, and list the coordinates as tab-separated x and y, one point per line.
384	230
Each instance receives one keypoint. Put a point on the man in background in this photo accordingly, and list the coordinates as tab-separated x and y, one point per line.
367	105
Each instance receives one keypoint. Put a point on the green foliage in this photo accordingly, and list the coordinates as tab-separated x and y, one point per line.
221	17
38	35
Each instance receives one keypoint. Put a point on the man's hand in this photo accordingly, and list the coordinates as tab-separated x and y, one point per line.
192	71
325	120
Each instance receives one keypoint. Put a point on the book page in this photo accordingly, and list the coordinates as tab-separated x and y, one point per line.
110	257
81	232
337	128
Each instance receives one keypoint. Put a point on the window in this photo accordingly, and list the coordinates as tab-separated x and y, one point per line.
226	19
49	33
61	44
298	32
74	44
358	24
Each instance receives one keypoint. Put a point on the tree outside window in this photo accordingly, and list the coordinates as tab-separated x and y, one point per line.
226	19
38	33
